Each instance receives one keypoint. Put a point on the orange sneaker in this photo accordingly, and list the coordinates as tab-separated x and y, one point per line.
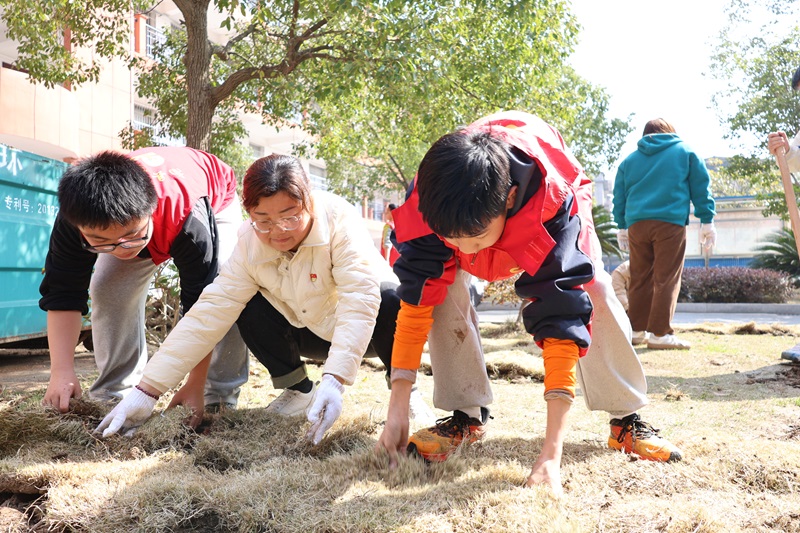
438	442
633	435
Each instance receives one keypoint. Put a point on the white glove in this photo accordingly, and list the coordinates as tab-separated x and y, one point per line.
128	415
622	240
326	408
708	235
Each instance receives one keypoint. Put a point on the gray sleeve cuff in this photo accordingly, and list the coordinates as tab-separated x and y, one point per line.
558	394
403	373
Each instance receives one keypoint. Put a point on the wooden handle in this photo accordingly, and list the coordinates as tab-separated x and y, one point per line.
788	189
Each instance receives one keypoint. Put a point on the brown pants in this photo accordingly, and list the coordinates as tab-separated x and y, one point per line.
657	251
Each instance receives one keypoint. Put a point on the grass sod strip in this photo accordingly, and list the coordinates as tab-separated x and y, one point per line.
729	403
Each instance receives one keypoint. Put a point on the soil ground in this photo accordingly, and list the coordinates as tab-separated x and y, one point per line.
24	370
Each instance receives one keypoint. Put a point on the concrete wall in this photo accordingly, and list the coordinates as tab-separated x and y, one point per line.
36	119
739	231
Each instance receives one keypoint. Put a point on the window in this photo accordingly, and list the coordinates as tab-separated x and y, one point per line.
153	36
376	207
318	177
257	150
144	118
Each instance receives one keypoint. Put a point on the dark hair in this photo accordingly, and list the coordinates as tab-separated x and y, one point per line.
796	80
463	183
658	125
105	189
391	207
272	174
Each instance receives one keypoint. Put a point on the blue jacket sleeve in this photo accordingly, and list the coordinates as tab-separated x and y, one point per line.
700	189
559	307
618	209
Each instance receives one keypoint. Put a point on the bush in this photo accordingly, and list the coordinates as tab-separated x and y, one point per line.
732	285
779	252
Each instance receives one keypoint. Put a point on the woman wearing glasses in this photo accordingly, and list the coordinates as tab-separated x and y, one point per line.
123	215
305	277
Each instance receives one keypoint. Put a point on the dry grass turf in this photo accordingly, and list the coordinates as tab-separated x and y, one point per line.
729	403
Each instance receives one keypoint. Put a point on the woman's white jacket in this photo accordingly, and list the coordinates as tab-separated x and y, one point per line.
331	286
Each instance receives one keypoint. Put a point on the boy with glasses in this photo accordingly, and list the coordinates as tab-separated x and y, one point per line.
123	215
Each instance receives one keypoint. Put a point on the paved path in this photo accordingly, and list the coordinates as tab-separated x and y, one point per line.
682	318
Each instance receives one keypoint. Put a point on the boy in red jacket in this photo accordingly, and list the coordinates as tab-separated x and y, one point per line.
505	196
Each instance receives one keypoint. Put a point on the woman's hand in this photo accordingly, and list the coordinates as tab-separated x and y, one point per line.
129	414
326	408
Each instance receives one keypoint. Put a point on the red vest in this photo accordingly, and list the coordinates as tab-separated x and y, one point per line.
181	177
525	243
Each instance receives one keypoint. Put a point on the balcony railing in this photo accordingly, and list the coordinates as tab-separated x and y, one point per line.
154	38
161	140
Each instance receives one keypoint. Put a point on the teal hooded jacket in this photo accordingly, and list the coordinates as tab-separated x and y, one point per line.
659	180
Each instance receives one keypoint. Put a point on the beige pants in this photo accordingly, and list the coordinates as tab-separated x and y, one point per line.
610	374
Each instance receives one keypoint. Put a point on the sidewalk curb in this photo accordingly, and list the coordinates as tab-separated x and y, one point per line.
688	307
771	309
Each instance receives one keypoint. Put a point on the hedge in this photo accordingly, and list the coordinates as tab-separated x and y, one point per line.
734	285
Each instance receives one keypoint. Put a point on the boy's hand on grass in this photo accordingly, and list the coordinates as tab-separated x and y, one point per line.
394	437
60	389
546	472
193	398
326	408
128	415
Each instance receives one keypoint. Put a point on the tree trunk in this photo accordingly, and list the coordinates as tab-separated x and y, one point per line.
200	108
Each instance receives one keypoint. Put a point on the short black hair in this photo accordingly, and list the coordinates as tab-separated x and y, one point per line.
796	80
391	207
104	189
463	183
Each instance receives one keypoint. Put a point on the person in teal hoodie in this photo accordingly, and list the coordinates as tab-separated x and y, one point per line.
652	192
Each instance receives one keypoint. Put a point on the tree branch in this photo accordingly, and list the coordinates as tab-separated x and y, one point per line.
470	93
295	16
399	171
309	33
285	67
223	51
293	58
224	90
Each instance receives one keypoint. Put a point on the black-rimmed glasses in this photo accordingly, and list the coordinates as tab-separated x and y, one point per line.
138	242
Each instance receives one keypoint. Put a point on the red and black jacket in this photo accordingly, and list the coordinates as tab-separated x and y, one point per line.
548	236
191	186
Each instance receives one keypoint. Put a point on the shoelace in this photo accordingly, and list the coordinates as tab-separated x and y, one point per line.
448	425
639	429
